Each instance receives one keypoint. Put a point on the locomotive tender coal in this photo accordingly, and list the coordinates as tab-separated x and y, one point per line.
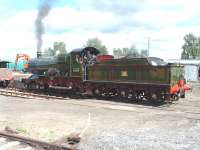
84	71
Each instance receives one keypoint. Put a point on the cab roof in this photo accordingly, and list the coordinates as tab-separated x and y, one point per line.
93	50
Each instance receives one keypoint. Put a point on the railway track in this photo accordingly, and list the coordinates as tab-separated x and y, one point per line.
26	94
10	141
189	114
180	108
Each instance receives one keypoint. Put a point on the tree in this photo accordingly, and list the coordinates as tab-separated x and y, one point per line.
198	47
144	53
132	51
58	47
125	51
95	42
191	47
117	52
49	52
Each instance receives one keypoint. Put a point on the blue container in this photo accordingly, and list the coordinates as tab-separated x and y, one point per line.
20	66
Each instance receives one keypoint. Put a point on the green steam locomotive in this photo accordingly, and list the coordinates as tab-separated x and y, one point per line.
85	71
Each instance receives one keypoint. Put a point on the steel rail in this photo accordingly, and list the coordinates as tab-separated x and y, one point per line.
22	94
34	142
164	107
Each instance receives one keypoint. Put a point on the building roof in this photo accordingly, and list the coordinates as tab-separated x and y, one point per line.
184	62
3	61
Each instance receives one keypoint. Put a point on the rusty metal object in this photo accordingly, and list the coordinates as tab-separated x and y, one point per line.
10	130
71	139
35	143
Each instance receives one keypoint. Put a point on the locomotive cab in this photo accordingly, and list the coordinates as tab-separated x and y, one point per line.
80	59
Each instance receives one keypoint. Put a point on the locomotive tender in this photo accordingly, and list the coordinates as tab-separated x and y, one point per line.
84	71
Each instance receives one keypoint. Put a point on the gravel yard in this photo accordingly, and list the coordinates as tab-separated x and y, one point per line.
105	124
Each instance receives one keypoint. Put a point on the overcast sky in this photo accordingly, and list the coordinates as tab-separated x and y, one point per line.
118	23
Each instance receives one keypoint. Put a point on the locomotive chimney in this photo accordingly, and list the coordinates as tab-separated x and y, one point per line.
39	53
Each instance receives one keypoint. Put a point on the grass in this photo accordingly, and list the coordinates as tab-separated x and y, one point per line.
22	130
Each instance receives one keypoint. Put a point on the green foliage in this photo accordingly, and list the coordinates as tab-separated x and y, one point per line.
191	47
22	130
132	51
117	52
144	53
58	48
95	42
49	52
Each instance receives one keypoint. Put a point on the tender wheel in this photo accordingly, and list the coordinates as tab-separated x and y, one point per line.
113	93
123	94
37	87
140	96
130	94
96	92
133	96
153	98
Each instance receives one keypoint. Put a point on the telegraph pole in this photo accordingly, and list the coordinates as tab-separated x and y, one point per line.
148	49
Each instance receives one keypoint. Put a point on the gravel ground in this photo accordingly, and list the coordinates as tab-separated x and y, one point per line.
107	125
147	138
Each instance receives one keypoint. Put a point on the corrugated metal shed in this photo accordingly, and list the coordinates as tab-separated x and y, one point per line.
11	65
19	67
192	69
3	64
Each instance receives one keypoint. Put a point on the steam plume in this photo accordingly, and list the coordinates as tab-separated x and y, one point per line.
43	12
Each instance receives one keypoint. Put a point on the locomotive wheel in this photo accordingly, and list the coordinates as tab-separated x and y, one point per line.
33	86
46	88
26	86
175	97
